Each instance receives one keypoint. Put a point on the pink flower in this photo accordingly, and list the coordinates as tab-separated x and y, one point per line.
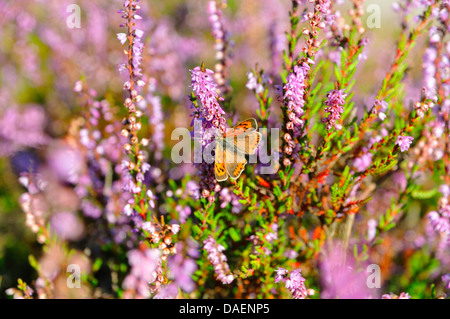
335	106
296	285
404	142
403	295
67	226
281	273
218	260
205	89
293	281
340	277
294	92
122	37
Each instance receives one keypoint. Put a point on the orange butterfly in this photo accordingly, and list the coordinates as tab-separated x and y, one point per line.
232	147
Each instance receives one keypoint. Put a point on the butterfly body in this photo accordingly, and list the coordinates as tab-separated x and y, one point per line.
232	147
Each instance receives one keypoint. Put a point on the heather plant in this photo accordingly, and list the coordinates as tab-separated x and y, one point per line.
346	194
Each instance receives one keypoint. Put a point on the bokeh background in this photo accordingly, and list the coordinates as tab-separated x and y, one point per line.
41	59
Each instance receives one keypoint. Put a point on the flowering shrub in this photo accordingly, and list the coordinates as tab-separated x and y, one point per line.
348	196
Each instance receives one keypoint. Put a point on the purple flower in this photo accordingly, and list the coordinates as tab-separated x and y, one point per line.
281	274
363	162
294	91
208	120
135	44
403	295
122	37
381	107
14	135
294	282
143	272
404	142
340	279
205	89
66	162
167	292
446	280
252	83
324	6
335	106
67	226
229	198
183	213
181	269
90	210
371	229
156	120
175	228
445	190
221	45
218	260
440	220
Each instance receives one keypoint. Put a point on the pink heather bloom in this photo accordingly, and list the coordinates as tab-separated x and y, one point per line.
446	280
324	6
281	274
175	228
218	260
296	285
205	89
143	271
371	229
335	106
293	281
15	136
445	190
364	161
181	270
122	37
440	220
67	226
294	91
215	20
382	106
208	120
135	42
404	142
252	83
403	295
340	279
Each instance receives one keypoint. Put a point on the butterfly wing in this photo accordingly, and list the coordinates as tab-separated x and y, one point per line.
219	165
245	126
235	161
244	136
247	142
240	140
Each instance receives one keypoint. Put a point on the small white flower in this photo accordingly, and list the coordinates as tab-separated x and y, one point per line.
122	37
139	33
148	226
128	210
175	228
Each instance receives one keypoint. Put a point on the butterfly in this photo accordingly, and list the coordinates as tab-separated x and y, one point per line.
231	148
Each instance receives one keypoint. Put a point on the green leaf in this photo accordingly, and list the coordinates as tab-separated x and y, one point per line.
422	194
97	264
199	215
33	262
234	234
196	229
